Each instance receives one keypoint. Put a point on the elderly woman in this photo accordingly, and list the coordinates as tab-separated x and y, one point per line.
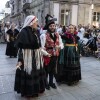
30	75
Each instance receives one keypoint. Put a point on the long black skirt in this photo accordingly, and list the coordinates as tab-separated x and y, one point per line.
11	50
30	85
69	71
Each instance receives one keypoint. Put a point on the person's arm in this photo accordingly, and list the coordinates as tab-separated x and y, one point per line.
20	59
17	32
8	38
61	43
44	52
8	35
43	40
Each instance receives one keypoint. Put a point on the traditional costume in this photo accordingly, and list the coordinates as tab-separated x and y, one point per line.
30	76
49	41
11	50
70	72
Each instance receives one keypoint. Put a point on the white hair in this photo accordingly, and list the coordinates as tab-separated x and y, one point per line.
8	23
30	20
12	25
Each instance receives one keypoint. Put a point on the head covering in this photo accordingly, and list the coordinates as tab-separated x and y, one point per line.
48	21
30	20
8	23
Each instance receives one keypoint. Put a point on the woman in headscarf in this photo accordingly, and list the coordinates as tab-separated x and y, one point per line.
30	75
71	71
12	34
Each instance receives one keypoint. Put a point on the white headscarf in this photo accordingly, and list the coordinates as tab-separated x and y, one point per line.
30	20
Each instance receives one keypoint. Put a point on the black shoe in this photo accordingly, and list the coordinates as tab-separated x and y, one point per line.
53	86
10	56
47	87
70	83
15	56
35	95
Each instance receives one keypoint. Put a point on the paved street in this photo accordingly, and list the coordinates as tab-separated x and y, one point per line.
87	89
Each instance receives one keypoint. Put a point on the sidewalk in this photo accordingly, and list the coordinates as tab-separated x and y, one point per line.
87	89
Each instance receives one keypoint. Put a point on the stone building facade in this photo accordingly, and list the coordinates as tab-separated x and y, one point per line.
66	11
20	9
7	17
89	12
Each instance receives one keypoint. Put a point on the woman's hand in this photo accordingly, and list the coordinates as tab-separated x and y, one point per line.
8	40
18	65
49	55
58	47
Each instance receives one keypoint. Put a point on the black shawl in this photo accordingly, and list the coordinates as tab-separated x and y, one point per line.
27	39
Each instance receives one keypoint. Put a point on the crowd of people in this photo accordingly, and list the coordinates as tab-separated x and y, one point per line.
48	52
89	40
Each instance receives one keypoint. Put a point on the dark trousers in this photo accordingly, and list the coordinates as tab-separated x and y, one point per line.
50	70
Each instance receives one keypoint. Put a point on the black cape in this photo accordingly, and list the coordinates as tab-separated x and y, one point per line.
27	39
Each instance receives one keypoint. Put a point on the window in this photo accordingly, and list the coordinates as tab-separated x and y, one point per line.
64	17
96	16
24	1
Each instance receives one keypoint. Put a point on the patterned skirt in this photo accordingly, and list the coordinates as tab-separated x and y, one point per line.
69	69
30	85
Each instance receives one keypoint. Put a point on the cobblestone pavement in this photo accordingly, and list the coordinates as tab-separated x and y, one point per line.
87	89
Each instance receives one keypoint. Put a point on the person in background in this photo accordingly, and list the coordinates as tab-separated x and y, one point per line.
0	33
76	32
63	29
81	32
7	26
12	34
59	30
3	33
98	46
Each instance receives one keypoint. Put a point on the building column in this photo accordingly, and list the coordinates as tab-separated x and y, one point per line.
74	16
90	15
56	11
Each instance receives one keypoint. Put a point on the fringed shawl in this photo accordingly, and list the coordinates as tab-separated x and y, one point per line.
27	56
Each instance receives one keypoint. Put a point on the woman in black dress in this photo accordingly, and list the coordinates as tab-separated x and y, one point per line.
30	75
12	34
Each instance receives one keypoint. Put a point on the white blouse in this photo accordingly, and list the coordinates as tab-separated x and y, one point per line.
43	41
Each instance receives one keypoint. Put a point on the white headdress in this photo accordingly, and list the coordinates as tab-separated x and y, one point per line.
30	20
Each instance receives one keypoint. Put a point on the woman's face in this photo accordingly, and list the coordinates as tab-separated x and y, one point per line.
13	26
71	29
35	25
